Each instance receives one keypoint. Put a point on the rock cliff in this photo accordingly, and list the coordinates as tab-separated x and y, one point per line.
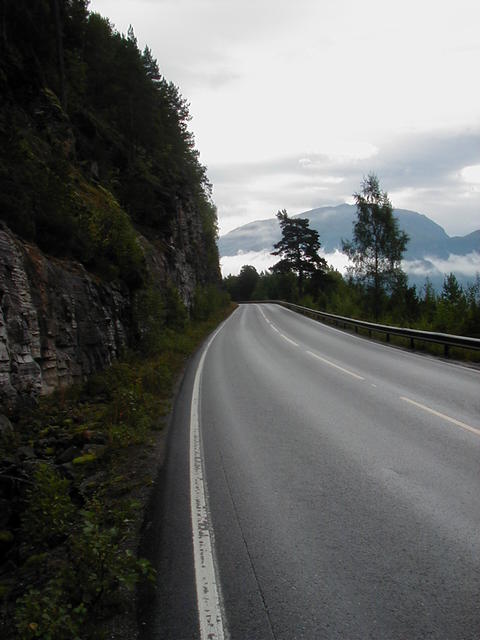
58	323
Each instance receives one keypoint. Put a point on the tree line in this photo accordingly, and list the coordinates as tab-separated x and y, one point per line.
374	288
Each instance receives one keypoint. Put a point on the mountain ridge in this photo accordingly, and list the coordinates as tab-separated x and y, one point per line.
427	238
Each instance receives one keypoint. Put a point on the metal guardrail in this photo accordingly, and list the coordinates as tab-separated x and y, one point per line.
446	339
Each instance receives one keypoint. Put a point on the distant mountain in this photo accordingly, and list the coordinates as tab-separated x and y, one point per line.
427	239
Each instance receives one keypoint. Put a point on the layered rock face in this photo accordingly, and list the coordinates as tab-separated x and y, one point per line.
181	258
58	323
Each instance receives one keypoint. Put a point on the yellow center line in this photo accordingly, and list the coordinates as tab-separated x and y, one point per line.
458	423
336	366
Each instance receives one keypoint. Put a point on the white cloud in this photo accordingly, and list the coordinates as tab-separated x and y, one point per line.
338	260
422	268
263	260
468	265
471	174
338	87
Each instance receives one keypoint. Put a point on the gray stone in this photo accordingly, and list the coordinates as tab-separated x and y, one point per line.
97	449
68	455
68	470
25	453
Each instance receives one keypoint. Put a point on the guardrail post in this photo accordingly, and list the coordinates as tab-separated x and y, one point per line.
412	343
446	350
387	337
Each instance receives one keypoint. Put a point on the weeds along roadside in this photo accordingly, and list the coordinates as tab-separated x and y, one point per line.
75	476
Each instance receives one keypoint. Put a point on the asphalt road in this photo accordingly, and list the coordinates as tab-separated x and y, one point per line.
343	483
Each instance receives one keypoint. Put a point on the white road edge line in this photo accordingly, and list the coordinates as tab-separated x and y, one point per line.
288	340
458	423
208	591
264	316
332	364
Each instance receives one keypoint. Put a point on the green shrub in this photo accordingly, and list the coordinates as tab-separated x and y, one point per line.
48	614
157	375
101	564
85	459
109	240
120	373
176	313
149	315
308	301
130	419
49	511
208	300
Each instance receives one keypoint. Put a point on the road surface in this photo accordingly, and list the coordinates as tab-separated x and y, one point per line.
343	490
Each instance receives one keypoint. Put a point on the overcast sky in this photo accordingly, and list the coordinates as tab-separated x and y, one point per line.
294	101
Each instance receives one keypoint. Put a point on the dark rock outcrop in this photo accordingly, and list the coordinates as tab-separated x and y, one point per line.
58	323
179	259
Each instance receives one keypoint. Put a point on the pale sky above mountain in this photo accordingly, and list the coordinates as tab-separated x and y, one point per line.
294	101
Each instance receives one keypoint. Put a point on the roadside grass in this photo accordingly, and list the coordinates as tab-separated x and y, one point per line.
76	472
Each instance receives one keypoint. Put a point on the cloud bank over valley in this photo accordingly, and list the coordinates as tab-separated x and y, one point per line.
431	252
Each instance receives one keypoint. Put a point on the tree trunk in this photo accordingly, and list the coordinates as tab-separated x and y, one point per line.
60	54
376	290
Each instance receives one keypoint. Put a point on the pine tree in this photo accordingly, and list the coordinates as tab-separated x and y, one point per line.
298	249
150	65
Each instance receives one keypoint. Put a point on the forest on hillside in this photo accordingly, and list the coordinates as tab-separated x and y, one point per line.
94	140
